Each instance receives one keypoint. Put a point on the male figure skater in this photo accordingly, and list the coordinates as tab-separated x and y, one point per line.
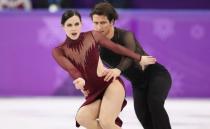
151	84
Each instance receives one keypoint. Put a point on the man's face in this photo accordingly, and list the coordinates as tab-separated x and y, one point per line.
102	24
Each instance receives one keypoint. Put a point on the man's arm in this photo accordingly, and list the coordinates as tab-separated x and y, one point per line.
129	42
119	49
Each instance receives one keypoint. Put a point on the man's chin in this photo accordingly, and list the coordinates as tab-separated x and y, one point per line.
102	32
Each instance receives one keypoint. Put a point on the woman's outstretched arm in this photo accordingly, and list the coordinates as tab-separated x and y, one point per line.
65	63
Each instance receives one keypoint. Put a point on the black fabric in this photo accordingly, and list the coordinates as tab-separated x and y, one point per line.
128	40
150	87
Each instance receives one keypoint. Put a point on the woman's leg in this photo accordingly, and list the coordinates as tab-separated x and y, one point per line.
87	115
111	105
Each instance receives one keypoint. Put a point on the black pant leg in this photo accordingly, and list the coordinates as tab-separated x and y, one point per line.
141	107
159	83
136	76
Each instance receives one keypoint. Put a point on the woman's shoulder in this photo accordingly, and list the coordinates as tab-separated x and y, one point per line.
57	50
90	32
60	45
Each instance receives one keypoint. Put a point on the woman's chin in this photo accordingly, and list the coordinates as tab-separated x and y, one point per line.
74	37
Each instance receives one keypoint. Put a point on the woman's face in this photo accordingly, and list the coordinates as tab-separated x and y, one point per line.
72	27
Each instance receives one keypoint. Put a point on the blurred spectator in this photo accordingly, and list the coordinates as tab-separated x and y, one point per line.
116	3
37	4
54	2
66	3
15	4
136	4
91	3
77	3
170	4
54	5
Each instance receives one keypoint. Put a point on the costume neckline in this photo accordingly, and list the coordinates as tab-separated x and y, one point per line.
71	42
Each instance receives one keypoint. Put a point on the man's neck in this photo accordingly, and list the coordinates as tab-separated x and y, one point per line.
110	35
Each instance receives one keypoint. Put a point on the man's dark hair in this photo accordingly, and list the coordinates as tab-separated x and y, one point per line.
106	9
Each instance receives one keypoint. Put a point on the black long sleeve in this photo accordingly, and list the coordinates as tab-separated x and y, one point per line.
128	42
104	42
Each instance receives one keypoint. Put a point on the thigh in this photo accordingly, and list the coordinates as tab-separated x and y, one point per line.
112	101
159	86
90	111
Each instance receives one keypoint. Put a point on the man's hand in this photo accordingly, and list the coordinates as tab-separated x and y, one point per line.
147	60
79	83
111	73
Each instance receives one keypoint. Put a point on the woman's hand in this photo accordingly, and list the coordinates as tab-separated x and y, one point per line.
79	83
85	92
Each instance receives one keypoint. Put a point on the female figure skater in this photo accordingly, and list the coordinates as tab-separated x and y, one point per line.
79	56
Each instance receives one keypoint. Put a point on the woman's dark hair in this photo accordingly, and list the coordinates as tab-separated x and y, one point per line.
69	13
106	9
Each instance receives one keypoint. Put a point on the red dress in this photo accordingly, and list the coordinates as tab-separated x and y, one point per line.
80	59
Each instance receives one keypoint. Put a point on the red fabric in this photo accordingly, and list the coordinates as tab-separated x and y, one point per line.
80	58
